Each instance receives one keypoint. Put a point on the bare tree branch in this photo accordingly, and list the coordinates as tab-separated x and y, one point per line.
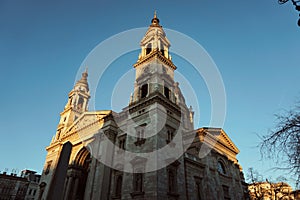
282	1
283	142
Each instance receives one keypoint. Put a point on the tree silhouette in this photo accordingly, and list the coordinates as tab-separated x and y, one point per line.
296	3
283	142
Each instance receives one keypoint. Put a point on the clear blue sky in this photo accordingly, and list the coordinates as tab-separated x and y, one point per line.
255	45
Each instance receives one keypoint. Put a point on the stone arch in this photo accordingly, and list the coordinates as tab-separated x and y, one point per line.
144	90
80	102
77	175
148	48
81	157
162	49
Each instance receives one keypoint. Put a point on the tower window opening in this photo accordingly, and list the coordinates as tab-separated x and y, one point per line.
144	91
148	49
80	103
122	143
170	136
167	92
58	134
162	50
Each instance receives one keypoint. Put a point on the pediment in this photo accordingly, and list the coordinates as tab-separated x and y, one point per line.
218	138
88	120
224	139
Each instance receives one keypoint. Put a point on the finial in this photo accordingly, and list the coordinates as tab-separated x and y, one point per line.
85	74
155	20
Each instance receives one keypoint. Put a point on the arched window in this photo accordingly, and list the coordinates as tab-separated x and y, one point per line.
80	103
221	168
144	91
148	49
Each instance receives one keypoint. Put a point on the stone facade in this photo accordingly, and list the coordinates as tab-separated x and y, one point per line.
150	150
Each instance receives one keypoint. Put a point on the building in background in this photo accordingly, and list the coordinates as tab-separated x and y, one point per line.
272	191
13	187
33	185
72	172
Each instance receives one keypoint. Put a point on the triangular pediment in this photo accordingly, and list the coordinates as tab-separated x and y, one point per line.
224	139
87	123
218	140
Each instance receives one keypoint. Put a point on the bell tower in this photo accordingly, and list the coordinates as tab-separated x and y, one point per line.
154	67
155	72
76	105
155	39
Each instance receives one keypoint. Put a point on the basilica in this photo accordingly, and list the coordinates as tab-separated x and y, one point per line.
150	150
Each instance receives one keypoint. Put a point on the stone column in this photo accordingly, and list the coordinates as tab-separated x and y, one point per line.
84	105
69	186
75	187
65	187
90	180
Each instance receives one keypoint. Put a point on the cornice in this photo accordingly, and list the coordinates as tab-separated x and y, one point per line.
156	54
154	97
208	132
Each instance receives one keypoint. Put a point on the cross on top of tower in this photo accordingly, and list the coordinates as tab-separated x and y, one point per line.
155	20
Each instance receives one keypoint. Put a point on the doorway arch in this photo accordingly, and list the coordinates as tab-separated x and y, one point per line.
77	175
